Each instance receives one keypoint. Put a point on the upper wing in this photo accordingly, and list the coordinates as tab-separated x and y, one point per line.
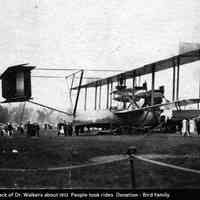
180	59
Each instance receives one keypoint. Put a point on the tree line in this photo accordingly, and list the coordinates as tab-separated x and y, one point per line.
19	113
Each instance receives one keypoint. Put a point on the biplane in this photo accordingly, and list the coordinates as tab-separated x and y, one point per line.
141	109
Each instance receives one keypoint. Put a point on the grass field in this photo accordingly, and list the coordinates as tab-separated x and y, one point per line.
52	151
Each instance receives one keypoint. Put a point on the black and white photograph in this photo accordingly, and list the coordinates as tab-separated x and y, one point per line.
99	95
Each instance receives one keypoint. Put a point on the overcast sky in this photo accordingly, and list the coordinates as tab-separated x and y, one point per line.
122	34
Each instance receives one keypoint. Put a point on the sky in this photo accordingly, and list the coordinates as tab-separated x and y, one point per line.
96	34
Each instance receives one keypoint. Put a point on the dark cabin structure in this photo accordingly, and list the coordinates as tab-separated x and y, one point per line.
16	83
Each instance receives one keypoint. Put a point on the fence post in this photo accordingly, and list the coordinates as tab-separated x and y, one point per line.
131	151
69	179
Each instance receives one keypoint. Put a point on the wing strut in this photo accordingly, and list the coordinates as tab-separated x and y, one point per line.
78	92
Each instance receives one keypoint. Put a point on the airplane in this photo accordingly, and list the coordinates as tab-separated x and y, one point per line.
141	109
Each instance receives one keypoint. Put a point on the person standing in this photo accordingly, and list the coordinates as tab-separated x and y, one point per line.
20	129
197	121
188	127
28	129
37	130
193	128
58	129
70	129
10	129
185	127
65	126
62	130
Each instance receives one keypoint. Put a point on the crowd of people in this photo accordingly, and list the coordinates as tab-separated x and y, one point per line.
186	127
33	129
30	129
65	129
7	129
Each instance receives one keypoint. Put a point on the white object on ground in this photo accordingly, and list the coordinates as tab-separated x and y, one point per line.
14	151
